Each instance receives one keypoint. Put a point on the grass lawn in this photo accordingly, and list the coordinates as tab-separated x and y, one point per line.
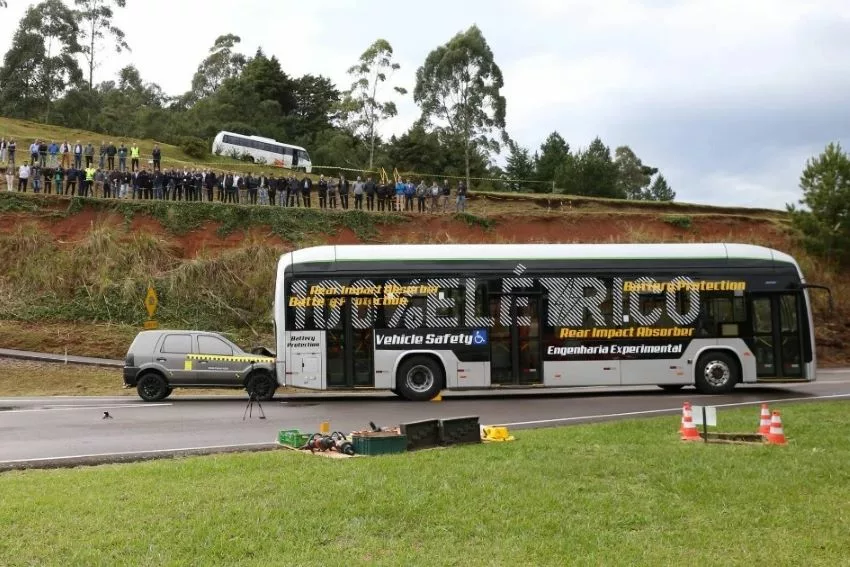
624	493
31	378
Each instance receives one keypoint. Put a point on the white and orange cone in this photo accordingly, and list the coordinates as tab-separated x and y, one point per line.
689	430
764	423
777	433
685	409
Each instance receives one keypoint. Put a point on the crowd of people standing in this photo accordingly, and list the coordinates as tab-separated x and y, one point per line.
65	169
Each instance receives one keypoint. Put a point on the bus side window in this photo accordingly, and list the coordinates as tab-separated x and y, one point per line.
721	316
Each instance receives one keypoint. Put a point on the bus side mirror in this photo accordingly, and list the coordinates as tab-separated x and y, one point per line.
828	292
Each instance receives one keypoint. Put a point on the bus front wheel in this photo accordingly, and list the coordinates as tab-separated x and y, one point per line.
716	373
419	378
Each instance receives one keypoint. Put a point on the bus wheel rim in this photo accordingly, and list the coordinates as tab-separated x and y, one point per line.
717	373
420	378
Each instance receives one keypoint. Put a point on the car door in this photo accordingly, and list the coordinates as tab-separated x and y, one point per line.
214	365
171	354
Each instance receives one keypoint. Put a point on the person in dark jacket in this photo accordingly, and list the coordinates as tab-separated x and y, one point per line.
383	193
294	193
272	189
306	187
229	188
209	184
343	192
323	192
157	157
111	151
370	190
251	185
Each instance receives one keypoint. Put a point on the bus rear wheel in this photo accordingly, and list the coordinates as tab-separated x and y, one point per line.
716	373
419	378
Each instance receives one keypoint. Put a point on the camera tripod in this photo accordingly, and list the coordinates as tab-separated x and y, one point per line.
249	409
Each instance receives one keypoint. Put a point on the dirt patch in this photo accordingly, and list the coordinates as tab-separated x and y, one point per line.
565	226
582	227
76	226
208	240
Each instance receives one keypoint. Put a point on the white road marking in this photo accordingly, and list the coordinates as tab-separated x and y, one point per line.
70	407
133	453
666	410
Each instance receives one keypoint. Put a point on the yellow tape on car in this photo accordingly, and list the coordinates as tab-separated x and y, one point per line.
224	358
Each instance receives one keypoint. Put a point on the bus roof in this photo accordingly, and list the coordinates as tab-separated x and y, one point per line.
530	252
259	139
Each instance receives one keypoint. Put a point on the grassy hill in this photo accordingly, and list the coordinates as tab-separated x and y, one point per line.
75	270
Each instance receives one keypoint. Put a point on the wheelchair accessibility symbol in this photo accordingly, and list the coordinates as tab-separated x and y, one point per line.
479	337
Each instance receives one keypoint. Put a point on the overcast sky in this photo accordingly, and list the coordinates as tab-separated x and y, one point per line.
729	98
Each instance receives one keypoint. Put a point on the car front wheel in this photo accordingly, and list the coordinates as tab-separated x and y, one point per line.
152	387
261	386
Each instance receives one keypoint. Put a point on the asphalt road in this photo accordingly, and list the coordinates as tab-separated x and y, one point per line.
63	431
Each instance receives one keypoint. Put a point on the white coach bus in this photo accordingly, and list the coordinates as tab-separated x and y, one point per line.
264	150
416	319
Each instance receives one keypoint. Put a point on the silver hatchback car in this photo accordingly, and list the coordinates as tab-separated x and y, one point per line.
159	361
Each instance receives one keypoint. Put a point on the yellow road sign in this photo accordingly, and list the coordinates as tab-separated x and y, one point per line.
151	301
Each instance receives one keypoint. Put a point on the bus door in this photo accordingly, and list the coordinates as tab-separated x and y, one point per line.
777	340
350	351
515	351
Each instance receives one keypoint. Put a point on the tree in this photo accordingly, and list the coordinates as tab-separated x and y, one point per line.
520	167
316	101
40	65
824	223
221	64
361	105
659	191
417	150
458	89
633	177
552	157
96	16
598	172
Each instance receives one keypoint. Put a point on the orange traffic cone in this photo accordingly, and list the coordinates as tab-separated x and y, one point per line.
777	434
685	408
689	430
764	423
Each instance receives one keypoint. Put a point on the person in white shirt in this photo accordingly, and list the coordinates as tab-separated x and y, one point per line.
10	178
23	177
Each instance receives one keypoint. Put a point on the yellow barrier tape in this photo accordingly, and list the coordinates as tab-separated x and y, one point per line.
224	358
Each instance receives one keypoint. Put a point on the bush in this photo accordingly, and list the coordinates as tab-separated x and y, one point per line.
194	147
681	221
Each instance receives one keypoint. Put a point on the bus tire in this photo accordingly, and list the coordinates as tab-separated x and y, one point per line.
419	378
152	387
716	373
261	385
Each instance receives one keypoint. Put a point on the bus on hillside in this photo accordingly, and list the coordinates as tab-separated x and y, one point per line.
262	150
417	319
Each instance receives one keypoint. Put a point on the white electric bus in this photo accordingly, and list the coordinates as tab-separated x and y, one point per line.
416	319
262	150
